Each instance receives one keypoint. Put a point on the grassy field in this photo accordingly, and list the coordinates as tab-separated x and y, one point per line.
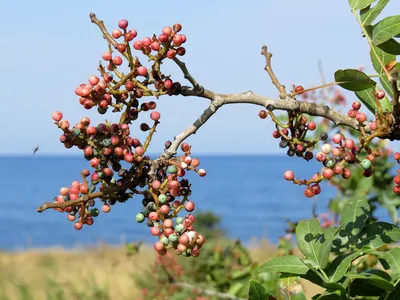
100	273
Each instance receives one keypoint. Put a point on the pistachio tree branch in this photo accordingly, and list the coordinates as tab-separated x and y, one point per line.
107	36
268	68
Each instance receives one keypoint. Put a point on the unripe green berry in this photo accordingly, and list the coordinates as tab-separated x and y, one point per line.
179	227
330	163
179	220
162	198
366	164
139	217
172	170
173	238
164	240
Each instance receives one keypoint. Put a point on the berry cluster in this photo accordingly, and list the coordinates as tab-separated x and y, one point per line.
121	167
334	157
396	179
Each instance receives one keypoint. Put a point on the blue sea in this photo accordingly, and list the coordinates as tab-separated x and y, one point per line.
248	192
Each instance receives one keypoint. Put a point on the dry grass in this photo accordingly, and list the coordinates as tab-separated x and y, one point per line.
101	273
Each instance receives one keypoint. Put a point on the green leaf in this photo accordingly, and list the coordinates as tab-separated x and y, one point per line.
326	247
340	265
330	294
374	277
367	98
377	234
390	46
353	80
285	264
386	86
378	56
289	288
370	15
257	291
309	235
360	4
354	218
394	295
386	29
392	257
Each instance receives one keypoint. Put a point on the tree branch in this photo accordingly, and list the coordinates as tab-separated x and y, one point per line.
268	68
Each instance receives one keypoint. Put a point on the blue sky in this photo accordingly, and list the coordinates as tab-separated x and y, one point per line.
50	47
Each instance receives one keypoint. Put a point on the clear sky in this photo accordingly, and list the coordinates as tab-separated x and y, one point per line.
50	47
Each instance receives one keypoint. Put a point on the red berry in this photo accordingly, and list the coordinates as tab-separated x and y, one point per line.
262	114
171	54
337	138
298	89
189	206
163	38
397	156
78	225
117	60
146	41
352	113
373	126
327	173
311	126
309	192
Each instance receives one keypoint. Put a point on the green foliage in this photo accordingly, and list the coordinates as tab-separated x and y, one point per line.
353	80
357	237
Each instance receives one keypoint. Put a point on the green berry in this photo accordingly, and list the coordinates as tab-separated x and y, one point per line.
179	220
172	170
173	238
94	212
139	217
162	198
366	164
164	240
330	163
179	227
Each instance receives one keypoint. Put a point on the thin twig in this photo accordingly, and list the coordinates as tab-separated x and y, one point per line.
268	68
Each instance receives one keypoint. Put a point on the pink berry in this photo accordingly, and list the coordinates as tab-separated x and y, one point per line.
106	208
139	151
361	117
189	206
165	209
202	172
146	41
156	184
167	30
380	94
163	38
155	46
320	156
373	126
155	116
311	126
356	105
107	56
184	239
168	84
153	216
288	175
352	113
155	230
195	162
138	45
116	34
78	225
158	246
142	71
57	116
123	24
327	173
349	144
117	60
93	80
397	156
337	138
171	54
